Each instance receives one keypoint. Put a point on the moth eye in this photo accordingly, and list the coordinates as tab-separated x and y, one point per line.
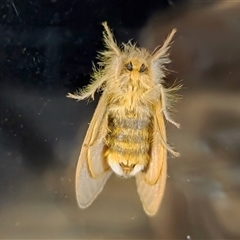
143	68
129	66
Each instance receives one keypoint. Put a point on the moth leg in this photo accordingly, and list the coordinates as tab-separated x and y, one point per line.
89	90
165	110
161	137
169	148
85	93
76	96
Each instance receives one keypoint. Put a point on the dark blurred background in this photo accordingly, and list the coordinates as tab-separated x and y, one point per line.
47	49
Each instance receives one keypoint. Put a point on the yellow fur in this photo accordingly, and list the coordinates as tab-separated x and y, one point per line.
131	128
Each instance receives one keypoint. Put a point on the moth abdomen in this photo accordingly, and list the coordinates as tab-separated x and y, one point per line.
131	123
128	142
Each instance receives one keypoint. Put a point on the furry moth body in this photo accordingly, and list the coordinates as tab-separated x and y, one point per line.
127	132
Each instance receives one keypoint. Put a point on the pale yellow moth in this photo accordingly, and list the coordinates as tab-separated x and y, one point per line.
127	132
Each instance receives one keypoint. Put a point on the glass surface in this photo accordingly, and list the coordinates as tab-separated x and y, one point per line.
41	130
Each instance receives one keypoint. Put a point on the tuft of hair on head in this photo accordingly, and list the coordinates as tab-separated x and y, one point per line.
109	40
162	52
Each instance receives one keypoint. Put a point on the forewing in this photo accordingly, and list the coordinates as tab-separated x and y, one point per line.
92	172
151	184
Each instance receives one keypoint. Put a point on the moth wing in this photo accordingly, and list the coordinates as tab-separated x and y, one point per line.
92	171
151	184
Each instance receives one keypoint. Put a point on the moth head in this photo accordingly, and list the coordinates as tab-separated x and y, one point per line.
135	68
126	170
128	62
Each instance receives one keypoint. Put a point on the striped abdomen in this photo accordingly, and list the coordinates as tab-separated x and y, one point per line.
128	142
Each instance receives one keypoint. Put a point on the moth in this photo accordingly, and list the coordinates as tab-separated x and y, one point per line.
127	132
